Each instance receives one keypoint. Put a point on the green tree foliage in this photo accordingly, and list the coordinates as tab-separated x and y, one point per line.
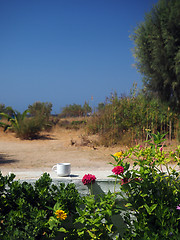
76	110
72	110
157	51
41	109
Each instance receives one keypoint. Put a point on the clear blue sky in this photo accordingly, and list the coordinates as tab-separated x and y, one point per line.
66	51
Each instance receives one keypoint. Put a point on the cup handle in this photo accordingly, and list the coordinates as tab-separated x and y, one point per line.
53	168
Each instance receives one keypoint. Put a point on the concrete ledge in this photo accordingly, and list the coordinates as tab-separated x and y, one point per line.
103	183
24	174
101	186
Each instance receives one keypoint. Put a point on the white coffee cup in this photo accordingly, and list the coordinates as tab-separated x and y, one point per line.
62	169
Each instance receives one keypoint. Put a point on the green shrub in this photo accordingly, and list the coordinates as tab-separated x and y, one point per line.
92	220
29	128
125	120
40	109
24	126
72	110
95	218
25	209
76	110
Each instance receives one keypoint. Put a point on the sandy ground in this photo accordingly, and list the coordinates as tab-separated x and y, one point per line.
28	159
40	155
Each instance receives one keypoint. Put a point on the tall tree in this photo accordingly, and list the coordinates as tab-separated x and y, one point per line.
157	51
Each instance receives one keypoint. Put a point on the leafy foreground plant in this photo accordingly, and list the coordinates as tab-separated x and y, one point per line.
47	211
96	217
152	188
25	209
93	217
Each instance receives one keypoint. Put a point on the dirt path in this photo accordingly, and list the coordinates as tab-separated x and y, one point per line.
54	147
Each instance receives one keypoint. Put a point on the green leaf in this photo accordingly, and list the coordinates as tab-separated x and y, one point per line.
150	209
62	230
128	205
143	195
91	234
109	227
52	223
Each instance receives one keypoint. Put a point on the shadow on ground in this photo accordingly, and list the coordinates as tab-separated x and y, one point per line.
5	159
44	137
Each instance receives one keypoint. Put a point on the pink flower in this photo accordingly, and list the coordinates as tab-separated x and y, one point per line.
178	207
118	170
88	178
